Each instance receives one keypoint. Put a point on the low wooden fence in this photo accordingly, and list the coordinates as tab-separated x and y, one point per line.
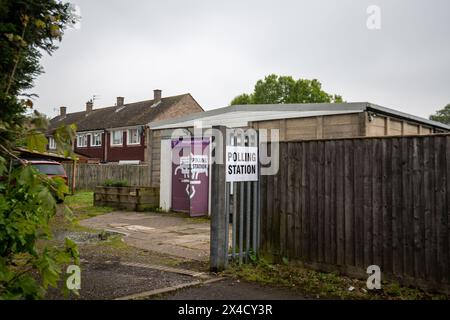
342	205
129	198
88	176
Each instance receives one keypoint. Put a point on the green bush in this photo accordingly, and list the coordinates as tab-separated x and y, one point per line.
115	183
29	263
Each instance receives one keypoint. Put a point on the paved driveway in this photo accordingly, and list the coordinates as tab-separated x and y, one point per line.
165	233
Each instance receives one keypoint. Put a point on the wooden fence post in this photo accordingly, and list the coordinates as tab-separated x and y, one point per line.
218	249
355	202
74	172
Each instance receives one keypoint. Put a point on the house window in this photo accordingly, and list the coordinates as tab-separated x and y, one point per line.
133	136
82	140
116	138
96	140
51	143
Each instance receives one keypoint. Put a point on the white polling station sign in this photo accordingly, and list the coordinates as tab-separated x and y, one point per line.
241	163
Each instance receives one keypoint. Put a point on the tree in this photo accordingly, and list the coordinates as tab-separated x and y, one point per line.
284	89
28	28
242	99
442	115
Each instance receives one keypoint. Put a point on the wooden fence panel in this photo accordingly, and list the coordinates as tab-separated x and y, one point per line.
88	176
346	204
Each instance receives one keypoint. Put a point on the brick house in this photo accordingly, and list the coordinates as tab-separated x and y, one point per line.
120	132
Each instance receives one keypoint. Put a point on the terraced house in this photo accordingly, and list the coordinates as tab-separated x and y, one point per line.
120	133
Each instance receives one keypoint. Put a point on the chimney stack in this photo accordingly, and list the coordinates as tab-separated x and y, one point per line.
120	101
62	111
156	96
89	106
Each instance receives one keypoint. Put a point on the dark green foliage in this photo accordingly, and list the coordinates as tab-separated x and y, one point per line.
284	89
243	99
115	183
27	204
443	115
28	28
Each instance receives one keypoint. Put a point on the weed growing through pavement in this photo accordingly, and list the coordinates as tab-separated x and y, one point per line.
324	285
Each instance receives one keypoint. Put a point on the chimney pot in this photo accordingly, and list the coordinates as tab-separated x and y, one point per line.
62	111
156	95
89	106
120	101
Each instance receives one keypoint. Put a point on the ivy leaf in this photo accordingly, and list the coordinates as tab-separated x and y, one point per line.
27	176
46	198
68	214
64	135
72	250
48	268
36	141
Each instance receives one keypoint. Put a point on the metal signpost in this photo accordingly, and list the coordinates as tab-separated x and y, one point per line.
235	198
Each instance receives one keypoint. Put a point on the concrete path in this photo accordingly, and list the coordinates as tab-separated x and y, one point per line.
229	289
165	233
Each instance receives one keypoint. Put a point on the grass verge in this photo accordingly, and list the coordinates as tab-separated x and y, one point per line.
82	205
316	284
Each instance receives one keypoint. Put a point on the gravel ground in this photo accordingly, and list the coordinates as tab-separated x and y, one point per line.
101	281
104	277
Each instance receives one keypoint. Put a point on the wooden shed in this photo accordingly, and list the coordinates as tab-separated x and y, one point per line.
294	122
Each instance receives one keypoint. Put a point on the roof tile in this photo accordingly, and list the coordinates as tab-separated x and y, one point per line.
131	114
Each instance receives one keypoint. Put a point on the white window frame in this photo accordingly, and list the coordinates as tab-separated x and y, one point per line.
82	137
51	143
129	137
93	136
121	138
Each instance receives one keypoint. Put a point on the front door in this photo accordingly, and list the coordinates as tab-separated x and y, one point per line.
190	176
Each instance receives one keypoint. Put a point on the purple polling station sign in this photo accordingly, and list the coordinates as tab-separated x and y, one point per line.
190	176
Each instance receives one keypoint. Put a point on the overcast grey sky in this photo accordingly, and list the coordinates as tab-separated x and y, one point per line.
218	49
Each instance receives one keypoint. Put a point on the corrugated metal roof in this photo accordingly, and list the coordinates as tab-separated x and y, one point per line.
241	115
238	119
406	116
